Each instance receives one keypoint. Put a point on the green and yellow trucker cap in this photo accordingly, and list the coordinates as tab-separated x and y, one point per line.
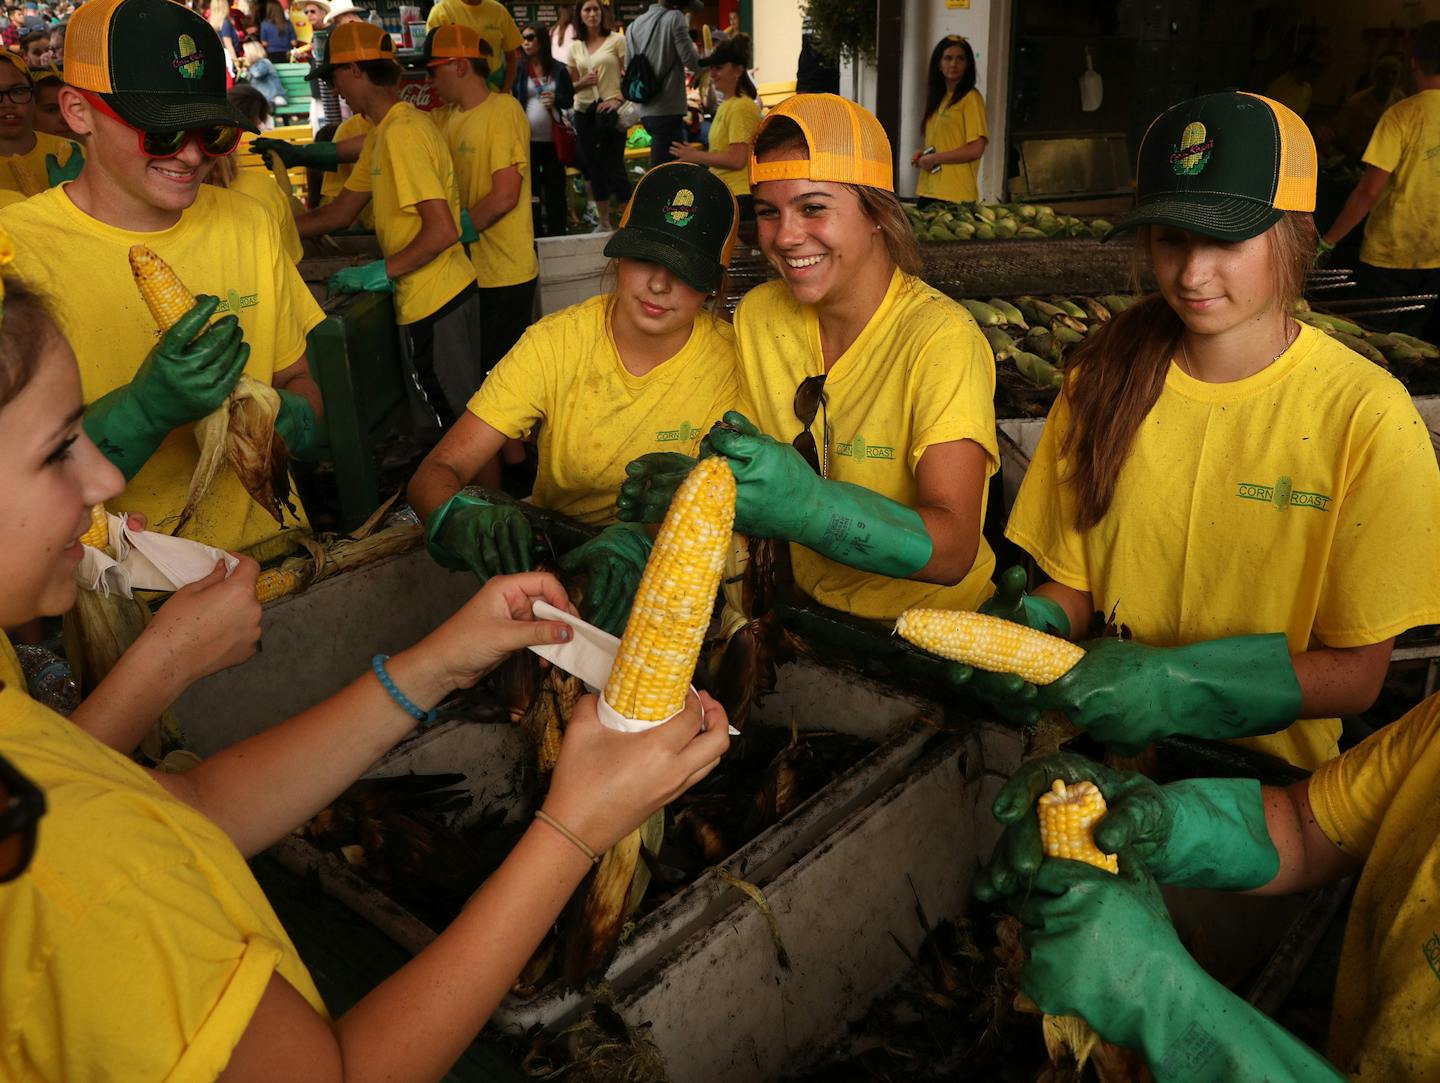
1225	165
354	43
683	217
158	64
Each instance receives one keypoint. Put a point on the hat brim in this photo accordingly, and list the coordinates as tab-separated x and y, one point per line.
174	112
1225	218
324	71
694	268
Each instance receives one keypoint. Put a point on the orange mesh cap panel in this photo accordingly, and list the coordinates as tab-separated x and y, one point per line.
352	43
454	41
1295	183
847	145
87	46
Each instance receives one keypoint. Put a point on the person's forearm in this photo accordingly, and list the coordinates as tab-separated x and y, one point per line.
1360	203
1340	681
261	789
324	219
512	64
450	989
730	158
348	150
434	483
427	245
1078	605
305	386
955	539
492	206
970	152
133	695
1308	859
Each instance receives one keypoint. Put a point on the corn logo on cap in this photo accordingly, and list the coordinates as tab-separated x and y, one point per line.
354	43
455	42
847	145
683	217
1225	165
158	64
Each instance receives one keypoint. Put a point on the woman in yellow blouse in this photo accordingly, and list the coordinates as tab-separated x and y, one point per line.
956	133
597	57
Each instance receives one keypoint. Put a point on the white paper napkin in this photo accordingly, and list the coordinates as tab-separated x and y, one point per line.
147	561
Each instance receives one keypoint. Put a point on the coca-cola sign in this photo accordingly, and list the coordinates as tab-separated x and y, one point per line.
418	92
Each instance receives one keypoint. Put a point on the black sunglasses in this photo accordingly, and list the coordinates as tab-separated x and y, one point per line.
810	400
21	806
528	37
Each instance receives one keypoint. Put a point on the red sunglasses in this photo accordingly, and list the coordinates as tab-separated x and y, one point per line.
216	140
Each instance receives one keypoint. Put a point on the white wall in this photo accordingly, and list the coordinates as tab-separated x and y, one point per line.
986	24
776	39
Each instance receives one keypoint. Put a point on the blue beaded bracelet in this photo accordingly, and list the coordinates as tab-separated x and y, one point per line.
378	665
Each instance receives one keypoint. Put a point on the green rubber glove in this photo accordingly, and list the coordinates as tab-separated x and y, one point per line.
468	532
1204	832
297	425
650	484
1012	696
778	496
614	561
322	155
183	378
366	278
57	174
1131	695
1102	947
468	233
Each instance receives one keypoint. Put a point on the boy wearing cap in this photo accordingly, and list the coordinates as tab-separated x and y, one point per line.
405	167
1226	475
645	368
495	25
1400	192
29	159
489	139
147	90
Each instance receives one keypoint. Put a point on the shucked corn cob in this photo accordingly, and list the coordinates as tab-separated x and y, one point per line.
98	536
1068	815
990	643
165	295
275	583
676	597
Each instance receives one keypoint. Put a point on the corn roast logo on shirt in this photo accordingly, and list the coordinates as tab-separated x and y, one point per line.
683	435
1283	495
860	450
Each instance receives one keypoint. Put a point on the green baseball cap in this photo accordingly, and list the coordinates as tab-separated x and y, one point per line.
683	217
1225	165
158	64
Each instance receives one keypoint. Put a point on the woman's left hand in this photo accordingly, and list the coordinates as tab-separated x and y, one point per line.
685	152
493	624
610	105
926	162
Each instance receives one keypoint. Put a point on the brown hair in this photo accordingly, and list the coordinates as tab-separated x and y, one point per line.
582	32
1119	371
783	135
26	328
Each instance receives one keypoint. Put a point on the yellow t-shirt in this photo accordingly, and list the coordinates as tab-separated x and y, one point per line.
1356	121
919	374
608	60
137	944
1291	92
594	416
10	672
226	245
493	136
26	173
488	18
1403	230
951	126
1377	803
1301	500
262	187
405	162
334	182
735	122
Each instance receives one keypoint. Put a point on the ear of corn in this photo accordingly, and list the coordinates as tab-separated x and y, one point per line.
1068	815
989	643
676	597
275	583
98	536
164	294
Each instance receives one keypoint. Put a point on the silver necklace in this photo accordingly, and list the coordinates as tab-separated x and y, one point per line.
1290	334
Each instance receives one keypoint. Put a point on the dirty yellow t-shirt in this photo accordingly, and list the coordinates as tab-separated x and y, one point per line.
262	187
225	244
735	122
492	136
334	182
405	162
1377	803
594	417
26	173
10	671
1304	499
488	18
953	125
1403	231
137	944
919	374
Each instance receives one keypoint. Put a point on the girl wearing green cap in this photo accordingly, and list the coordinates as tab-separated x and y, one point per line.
647	367
1255	501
